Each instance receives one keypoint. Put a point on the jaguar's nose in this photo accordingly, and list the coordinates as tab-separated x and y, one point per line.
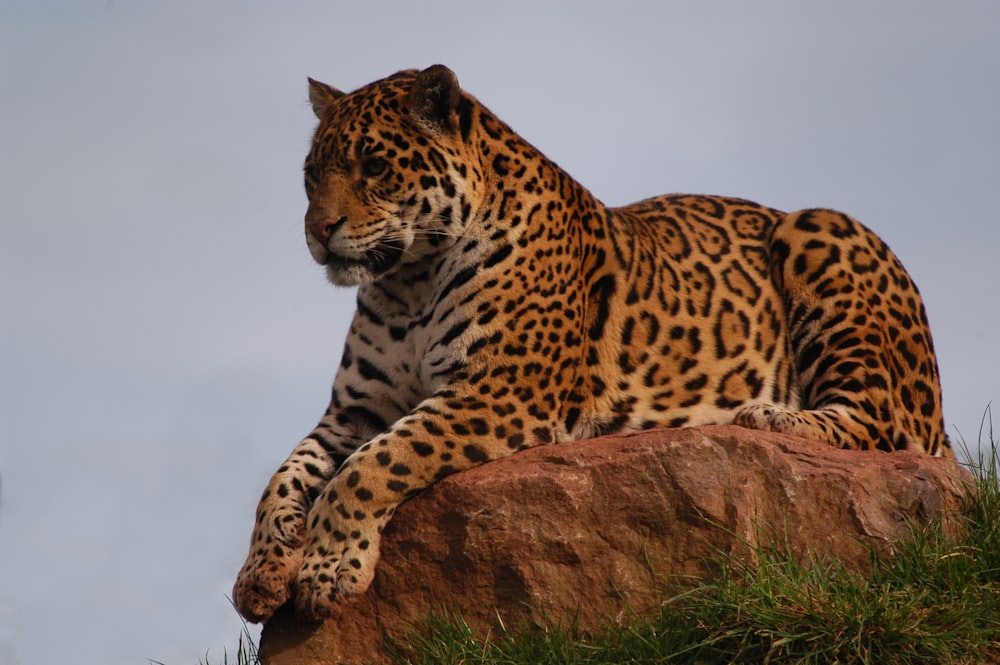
323	228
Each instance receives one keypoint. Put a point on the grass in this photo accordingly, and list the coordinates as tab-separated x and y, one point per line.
246	652
937	601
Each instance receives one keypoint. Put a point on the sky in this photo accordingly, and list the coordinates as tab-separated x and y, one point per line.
166	340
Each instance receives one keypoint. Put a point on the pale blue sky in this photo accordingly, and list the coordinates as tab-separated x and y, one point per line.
166	339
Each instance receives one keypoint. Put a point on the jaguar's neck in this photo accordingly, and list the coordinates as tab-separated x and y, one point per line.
522	206
528	197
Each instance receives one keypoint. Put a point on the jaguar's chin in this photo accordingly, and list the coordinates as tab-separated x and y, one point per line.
369	267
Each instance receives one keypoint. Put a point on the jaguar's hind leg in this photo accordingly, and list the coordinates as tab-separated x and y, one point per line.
867	371
837	426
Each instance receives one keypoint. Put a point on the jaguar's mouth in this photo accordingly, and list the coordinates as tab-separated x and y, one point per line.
384	256
369	266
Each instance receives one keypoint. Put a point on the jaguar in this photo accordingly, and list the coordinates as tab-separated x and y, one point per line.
501	305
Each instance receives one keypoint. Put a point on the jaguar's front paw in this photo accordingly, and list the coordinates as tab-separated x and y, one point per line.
265	582
337	566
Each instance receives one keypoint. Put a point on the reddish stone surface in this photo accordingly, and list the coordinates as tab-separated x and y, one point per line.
593	530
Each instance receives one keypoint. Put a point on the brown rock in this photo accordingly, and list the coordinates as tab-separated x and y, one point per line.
591	530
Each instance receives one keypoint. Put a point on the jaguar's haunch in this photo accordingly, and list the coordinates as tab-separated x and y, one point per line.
501	306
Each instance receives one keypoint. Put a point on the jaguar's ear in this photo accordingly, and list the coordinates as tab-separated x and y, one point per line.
322	97
434	98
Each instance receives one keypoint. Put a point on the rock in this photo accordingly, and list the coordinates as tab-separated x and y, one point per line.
592	531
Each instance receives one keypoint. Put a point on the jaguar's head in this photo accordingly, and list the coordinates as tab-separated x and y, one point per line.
386	177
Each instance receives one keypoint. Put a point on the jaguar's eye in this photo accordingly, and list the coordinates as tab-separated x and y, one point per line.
373	167
311	176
